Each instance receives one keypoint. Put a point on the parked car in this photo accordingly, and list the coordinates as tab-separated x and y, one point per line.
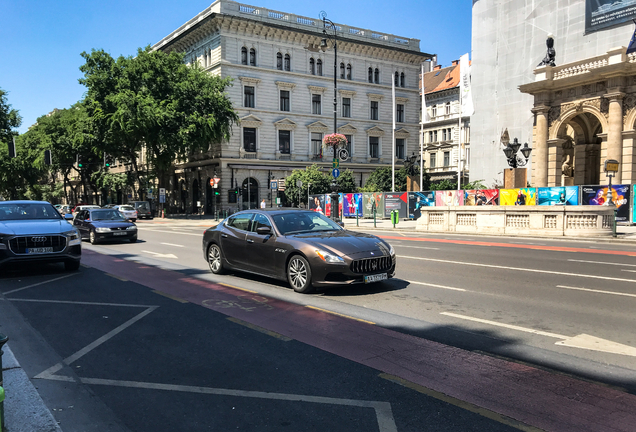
34	231
143	209
65	209
104	224
128	211
303	247
84	207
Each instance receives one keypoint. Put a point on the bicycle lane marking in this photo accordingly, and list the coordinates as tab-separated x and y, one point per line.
512	245
524	393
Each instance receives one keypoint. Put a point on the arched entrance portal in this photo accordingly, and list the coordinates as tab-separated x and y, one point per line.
249	193
195	196
578	150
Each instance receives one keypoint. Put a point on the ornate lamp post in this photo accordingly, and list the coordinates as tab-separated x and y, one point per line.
516	178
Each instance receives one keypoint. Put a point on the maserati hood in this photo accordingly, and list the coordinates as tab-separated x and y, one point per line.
348	243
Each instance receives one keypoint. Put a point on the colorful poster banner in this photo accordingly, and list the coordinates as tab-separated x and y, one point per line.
328	204
395	201
418	200
481	197
449	198
317	203
525	196
597	195
368	201
600	14
566	195
352	204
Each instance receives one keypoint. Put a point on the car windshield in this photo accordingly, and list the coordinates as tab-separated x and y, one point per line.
109	215
304	222
127	208
143	205
13	211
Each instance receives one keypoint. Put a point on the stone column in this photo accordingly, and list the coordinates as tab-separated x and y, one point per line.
615	132
555	163
540	150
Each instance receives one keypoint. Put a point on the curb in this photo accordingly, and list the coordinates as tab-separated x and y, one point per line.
24	409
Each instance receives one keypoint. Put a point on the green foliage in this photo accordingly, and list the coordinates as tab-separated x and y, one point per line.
154	100
46	192
111	181
445	184
477	184
380	180
9	119
313	178
346	182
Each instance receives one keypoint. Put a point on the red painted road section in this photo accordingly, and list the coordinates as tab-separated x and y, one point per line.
549	401
516	246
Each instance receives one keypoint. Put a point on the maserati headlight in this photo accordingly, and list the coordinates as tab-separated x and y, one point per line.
102	230
329	257
131	228
73	237
391	251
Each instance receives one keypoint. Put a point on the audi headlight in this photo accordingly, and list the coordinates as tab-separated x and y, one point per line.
73	237
329	258
102	230
2	245
131	228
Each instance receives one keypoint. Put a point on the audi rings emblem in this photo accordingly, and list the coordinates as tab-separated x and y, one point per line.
38	239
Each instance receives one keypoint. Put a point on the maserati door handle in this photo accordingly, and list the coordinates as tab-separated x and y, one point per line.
250	241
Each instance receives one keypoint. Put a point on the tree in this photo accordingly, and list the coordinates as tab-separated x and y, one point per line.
445	184
315	181
346	182
476	184
9	119
380	180
155	102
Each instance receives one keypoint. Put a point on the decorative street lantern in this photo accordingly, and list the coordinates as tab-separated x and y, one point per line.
512	154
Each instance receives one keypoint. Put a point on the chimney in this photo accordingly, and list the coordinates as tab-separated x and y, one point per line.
455	62
437	67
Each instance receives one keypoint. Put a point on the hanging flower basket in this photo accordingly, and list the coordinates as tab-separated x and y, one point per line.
334	141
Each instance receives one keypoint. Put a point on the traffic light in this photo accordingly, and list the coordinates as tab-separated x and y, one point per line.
108	160
47	157
216	192
80	161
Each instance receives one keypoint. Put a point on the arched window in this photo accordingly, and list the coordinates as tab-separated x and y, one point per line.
244	55
279	61
396	80
312	66
376	76
319	67
252	57
402	80
287	62
348	71
342	71
370	75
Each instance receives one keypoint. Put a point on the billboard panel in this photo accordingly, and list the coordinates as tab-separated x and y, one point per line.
317	203
418	200
525	196
600	14
566	195
368	201
481	197
352	204
395	201
597	195
449	198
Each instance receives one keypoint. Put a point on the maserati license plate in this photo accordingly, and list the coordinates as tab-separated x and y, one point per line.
375	278
40	250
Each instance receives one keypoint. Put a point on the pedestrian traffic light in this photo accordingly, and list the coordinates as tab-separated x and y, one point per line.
108	160
216	192
47	157
80	161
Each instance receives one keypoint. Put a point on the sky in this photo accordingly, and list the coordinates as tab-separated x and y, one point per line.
41	41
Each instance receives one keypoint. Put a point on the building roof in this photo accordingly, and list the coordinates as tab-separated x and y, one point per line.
442	78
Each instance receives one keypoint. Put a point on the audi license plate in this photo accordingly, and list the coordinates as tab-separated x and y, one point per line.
40	250
120	233
375	278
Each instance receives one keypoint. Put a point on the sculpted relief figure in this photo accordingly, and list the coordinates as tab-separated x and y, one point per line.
548	60
566	168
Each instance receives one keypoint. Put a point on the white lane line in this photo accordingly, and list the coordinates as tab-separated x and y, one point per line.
631	271
173	232
603	262
88	348
508	326
383	411
160	255
82	303
519	269
39	283
172	244
436	286
597	291
415	247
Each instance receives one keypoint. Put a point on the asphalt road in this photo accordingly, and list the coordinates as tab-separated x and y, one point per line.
125	344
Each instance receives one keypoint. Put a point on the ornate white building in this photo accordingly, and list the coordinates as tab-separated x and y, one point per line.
283	92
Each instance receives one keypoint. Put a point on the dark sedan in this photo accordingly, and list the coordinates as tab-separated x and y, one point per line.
303	247
104	224
34	231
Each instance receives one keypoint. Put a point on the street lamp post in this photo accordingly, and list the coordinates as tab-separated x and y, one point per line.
328	24
514	178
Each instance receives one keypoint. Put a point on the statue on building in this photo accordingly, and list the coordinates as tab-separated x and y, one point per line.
548	60
566	167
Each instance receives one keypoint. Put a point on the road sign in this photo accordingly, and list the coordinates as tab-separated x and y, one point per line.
281	184
336	163
273	184
162	191
343	154
335	173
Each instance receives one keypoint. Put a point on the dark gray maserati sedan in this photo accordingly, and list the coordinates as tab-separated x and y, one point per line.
303	247
34	231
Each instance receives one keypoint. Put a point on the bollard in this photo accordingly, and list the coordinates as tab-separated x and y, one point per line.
614	224
357	224
374	225
216	215
3	340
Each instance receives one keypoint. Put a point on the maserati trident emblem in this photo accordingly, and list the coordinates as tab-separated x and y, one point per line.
38	239
374	265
